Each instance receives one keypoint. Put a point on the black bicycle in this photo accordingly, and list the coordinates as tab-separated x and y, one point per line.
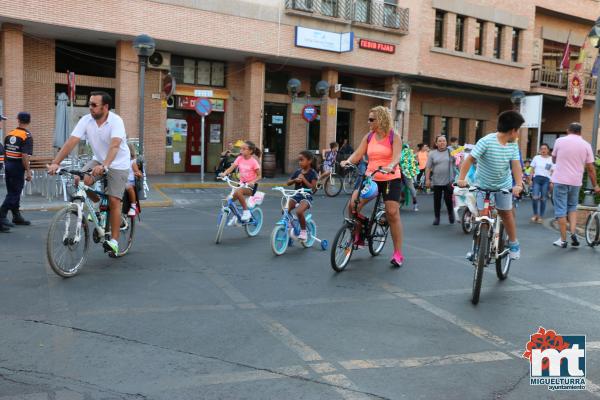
374	231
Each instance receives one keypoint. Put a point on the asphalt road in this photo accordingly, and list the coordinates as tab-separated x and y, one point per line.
183	318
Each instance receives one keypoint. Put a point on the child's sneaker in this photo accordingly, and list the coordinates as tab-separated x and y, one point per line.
514	250
132	211
397	259
112	245
246	216
303	235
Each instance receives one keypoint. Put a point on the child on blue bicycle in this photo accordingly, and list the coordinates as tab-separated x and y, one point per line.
249	170
305	177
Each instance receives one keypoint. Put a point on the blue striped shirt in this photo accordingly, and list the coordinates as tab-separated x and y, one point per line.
493	162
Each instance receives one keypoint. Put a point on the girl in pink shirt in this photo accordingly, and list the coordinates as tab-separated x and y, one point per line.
249	170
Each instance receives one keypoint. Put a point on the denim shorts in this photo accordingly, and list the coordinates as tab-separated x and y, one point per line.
300	198
502	201
566	198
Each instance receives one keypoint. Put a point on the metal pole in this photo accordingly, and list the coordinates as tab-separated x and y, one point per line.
589	198
202	150
141	108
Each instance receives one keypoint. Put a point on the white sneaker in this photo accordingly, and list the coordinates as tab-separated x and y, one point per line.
112	245
232	220
132	211
246	216
302	236
561	243
415	207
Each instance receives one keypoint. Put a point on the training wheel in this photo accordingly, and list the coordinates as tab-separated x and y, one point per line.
324	244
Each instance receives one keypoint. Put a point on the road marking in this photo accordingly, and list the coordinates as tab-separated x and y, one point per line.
143	310
323	368
342	381
303	350
417	362
326	300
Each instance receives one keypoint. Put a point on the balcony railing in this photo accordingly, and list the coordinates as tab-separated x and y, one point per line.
377	14
542	76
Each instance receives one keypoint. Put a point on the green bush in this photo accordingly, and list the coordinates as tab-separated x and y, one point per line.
585	179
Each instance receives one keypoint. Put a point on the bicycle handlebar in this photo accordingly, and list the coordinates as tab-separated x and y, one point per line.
292	192
233	184
478	189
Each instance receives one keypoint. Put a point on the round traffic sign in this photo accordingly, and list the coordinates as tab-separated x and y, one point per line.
309	113
203	106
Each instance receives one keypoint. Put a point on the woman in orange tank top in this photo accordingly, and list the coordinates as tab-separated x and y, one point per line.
383	148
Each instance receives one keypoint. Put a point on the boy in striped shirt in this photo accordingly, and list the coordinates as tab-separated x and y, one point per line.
498	166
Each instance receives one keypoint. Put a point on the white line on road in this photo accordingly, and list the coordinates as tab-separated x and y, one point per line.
303	350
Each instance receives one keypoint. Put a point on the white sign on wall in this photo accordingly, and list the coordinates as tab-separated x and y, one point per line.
531	110
324	40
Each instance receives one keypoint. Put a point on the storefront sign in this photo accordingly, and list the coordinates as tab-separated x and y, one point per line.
324	40
531	110
277	119
189	103
309	113
203	93
377	46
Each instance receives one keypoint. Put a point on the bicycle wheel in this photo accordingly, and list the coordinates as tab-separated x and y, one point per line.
279	239
65	254
592	229
253	227
221	221
467	221
482	251
502	263
378	236
342	248
348	182
333	185
311	230
127	230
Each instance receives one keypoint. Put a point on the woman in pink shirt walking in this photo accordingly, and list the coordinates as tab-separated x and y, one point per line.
249	170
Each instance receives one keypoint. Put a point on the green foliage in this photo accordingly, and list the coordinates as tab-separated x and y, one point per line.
585	179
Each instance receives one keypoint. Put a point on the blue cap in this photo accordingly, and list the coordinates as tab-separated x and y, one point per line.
24	117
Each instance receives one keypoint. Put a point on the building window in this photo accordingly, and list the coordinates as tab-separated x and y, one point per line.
346	81
462	131
514	53
478	130
198	72
329	8
362	11
427	124
438	40
460	32
84	59
445	126
497	40
302	5
391	19
276	82
479	37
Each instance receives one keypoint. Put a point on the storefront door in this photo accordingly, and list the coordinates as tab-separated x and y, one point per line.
193	149
213	133
274	132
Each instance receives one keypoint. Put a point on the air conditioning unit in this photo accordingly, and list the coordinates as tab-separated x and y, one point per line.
160	60
171	102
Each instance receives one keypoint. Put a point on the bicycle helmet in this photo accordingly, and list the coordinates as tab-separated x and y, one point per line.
369	190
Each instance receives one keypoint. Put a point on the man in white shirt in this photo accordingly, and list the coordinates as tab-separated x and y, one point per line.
104	131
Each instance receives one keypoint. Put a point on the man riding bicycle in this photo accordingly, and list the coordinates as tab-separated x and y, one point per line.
104	131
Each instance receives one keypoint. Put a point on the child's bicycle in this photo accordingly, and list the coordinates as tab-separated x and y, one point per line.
231	214
374	231
288	227
465	208
331	183
69	236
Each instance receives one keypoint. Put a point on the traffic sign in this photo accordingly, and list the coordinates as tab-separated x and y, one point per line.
309	113
203	106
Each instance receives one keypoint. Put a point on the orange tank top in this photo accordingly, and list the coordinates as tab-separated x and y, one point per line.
380	153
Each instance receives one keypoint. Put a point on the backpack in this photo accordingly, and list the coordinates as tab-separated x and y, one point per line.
390	137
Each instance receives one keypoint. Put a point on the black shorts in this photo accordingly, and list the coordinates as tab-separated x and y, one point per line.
254	189
390	189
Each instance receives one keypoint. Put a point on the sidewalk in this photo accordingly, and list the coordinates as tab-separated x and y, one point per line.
156	197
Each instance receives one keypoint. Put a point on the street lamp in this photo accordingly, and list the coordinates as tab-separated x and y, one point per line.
516	98
293	86
144	47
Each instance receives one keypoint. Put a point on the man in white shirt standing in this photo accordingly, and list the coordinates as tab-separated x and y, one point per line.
104	131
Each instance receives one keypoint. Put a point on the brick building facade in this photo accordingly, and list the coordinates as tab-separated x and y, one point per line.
456	61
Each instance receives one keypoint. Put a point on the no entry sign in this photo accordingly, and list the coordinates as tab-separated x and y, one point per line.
203	106
309	113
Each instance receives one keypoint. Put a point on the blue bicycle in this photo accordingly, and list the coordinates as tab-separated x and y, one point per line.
231	214
287	228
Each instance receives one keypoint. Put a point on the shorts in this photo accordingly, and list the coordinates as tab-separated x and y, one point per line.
327	167
390	190
566	199
303	198
253	188
131	182
502	201
116	179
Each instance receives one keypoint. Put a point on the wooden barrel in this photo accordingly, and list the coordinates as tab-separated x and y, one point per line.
269	165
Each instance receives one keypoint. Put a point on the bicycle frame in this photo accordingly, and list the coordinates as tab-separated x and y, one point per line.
489	216
228	204
288	218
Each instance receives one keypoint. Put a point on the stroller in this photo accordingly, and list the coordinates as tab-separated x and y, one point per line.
225	162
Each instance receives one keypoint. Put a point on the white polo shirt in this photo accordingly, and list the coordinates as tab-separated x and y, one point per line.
99	138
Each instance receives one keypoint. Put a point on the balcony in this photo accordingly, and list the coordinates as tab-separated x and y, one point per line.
551	78
364	13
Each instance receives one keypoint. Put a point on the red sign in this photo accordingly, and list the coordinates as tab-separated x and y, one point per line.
377	46
168	85
309	113
189	103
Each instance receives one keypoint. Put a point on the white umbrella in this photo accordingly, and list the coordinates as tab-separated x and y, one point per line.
61	129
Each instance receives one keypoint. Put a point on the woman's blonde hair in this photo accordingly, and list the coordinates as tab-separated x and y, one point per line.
383	116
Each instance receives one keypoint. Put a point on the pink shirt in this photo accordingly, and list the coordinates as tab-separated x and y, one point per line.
247	168
571	153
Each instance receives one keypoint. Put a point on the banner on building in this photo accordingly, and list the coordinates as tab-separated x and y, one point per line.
575	90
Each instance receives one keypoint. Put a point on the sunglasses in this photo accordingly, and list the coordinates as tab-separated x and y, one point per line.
371	120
